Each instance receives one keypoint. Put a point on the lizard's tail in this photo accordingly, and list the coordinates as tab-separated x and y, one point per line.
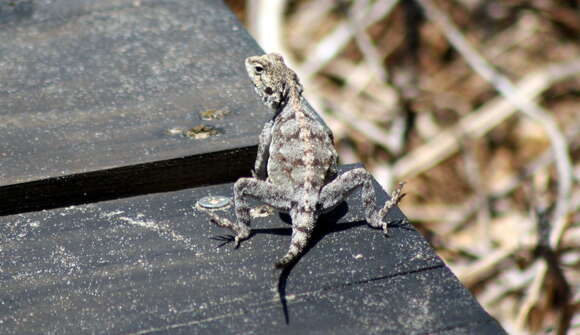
302	226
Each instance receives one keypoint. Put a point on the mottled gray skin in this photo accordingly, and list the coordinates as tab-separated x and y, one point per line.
296	166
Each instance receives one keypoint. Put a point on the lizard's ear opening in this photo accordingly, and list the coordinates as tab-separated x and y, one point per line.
268	90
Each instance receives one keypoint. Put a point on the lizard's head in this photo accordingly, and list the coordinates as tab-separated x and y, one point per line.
272	79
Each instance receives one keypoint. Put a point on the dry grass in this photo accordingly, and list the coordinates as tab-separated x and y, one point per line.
475	103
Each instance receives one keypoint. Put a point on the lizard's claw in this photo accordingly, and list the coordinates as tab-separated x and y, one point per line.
236	242
225	239
385	231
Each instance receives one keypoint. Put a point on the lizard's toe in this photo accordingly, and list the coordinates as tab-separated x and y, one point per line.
225	239
377	222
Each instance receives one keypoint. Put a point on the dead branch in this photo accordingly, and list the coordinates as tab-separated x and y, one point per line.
334	42
524	103
481	121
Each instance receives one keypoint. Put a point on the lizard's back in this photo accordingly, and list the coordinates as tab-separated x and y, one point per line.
302	155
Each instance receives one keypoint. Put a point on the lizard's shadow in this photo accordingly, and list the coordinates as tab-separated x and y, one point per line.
326	224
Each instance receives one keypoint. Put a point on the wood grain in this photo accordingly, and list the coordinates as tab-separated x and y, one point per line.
148	265
90	89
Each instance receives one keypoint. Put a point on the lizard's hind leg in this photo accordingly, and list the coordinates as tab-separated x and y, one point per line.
245	189
337	190
302	227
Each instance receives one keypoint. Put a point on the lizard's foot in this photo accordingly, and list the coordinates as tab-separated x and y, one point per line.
225	239
238	239
376	220
242	232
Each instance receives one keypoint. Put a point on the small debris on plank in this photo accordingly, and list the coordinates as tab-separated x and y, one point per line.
213	114
200	132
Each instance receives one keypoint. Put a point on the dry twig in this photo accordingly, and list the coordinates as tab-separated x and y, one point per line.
503	85
336	41
481	121
266	20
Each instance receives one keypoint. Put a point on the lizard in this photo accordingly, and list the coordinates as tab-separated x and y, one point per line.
296	168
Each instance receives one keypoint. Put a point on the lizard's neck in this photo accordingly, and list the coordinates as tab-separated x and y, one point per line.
292	103
295	98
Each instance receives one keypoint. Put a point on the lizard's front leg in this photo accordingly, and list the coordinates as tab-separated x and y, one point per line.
260	166
337	190
244	189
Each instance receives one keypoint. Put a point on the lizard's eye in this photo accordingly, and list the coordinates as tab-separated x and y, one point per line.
269	90
258	69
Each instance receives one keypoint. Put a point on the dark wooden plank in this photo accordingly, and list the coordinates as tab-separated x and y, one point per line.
147	265
89	90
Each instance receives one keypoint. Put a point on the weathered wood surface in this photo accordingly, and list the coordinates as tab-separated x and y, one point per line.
148	265
89	90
